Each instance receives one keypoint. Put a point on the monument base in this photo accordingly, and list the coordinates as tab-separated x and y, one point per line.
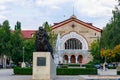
43	66
23	65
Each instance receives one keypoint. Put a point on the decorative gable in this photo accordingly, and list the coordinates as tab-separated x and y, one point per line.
75	20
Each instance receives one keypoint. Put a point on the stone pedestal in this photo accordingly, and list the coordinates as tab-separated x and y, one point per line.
43	66
23	65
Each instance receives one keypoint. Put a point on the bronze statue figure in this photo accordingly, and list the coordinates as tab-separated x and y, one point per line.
42	42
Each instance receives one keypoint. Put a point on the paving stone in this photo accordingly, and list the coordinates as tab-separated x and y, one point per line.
7	74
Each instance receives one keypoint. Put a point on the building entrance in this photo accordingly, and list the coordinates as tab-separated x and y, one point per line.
73	59
80	58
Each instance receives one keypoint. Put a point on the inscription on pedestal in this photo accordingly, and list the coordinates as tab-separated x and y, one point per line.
41	61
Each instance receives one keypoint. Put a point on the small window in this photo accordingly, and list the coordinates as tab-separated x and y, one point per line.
95	34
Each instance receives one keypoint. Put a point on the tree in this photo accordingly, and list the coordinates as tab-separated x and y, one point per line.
18	26
111	33
110	38
116	51
95	51
6	38
17	44
0	26
5	46
108	55
2	34
29	46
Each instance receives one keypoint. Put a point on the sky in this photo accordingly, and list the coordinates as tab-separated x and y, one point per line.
33	13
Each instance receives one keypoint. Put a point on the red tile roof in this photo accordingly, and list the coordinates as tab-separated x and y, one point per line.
28	33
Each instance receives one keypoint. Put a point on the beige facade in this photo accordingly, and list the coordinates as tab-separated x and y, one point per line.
73	31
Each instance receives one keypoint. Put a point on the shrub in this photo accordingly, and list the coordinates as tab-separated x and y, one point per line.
74	65
76	71
64	66
23	71
118	72
59	71
111	67
89	66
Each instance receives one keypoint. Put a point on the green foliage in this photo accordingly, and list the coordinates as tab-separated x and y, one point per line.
89	65
112	67
116	51
1	40
72	65
111	33
11	43
64	66
22	71
118	72
60	71
95	50
108	54
0	26
76	71
5	35
18	26
29	48
17	44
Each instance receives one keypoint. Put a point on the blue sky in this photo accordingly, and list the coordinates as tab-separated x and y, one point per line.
33	13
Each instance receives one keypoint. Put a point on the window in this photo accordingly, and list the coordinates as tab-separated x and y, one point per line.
73	44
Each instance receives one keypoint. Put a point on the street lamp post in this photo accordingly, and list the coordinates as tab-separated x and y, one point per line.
23	63
23	54
105	59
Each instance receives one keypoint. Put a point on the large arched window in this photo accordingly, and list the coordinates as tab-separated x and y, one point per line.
73	44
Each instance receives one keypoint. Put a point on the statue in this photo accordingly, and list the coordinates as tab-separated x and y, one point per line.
42	42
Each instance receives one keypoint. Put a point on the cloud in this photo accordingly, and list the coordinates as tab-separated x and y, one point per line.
24	3
2	12
4	1
2	7
2	18
50	3
95	8
39	11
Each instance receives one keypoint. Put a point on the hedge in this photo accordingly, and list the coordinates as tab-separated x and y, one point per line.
76	71
60	71
89	66
118	72
111	67
74	65
22	71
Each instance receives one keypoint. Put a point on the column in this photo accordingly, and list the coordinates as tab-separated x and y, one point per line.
76	59
69	44
4	61
74	44
69	59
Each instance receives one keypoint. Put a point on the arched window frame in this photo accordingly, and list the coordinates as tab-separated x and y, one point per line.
73	43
